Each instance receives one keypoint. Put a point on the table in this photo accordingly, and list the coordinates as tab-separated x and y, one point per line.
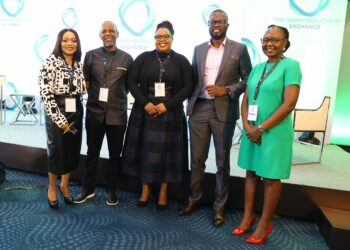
25	104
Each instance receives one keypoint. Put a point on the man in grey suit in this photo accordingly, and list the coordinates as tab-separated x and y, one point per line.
221	68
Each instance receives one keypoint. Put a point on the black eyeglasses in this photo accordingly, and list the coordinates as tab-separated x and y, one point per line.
160	37
219	22
274	41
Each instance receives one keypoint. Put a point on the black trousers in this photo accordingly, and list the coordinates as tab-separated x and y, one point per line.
95	132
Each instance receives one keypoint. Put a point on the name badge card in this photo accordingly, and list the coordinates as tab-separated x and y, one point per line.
103	97
70	105
159	89
253	112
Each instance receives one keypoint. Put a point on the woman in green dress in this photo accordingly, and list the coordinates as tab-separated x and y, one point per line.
266	148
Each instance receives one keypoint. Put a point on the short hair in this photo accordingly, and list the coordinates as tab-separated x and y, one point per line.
284	31
114	26
219	11
57	51
167	25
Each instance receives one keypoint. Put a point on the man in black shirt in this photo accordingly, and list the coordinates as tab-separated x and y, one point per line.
105	71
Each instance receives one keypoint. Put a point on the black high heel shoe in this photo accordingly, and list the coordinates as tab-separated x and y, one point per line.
161	207
68	200
52	204
142	203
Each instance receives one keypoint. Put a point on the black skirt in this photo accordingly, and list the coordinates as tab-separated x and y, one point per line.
63	150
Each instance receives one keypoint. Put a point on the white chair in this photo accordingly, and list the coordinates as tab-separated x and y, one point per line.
313	120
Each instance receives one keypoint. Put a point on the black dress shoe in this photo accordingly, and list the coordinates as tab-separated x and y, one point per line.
189	209
218	218
161	207
52	204
68	200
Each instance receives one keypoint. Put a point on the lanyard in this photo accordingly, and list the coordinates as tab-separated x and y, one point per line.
162	65
263	77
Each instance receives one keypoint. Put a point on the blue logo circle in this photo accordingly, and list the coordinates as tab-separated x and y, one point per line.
15	12
37	46
253	49
322	4
67	15
150	16
206	12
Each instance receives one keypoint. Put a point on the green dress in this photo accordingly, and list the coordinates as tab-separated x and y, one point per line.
273	158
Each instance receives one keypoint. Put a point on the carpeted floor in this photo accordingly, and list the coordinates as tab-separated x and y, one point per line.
26	222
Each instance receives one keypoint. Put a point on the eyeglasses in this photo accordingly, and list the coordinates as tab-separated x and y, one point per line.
218	22
160	37
274	41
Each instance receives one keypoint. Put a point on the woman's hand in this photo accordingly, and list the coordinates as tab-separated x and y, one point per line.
160	108
253	133
151	109
66	128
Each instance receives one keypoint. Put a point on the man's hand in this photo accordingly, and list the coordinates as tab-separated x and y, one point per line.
214	90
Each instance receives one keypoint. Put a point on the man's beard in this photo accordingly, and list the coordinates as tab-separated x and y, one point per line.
217	37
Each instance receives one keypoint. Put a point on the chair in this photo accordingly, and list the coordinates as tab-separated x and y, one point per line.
313	120
2	101
25	104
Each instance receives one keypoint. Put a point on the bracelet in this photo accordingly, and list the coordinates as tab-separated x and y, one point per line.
260	128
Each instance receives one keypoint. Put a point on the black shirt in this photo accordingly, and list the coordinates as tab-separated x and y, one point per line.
104	69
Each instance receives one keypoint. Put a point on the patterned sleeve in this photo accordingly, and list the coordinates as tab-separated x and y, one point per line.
46	84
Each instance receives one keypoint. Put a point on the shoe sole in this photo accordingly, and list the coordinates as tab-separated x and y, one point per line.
111	204
86	198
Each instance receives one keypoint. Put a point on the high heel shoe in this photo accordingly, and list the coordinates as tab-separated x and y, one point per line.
142	203
161	207
253	240
68	200
52	204
239	231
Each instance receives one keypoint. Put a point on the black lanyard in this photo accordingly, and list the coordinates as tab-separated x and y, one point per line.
162	65
263	77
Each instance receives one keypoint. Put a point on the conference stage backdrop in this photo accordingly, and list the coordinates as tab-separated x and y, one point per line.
29	28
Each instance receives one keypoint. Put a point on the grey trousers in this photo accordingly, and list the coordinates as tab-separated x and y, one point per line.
204	124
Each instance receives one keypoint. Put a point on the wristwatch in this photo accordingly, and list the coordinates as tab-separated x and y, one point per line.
228	91
260	128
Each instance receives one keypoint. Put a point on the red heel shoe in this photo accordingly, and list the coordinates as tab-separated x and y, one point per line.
253	240
239	231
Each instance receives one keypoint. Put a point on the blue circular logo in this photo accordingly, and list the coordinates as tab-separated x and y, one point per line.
15	12
69	18
149	21
322	4
253	50
37	46
206	12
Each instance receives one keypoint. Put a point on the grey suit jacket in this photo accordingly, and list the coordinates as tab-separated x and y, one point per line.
233	73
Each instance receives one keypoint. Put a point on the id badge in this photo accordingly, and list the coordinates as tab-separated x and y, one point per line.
253	112
159	89
103	96
70	105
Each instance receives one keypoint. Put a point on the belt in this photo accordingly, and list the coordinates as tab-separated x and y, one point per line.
67	96
205	100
